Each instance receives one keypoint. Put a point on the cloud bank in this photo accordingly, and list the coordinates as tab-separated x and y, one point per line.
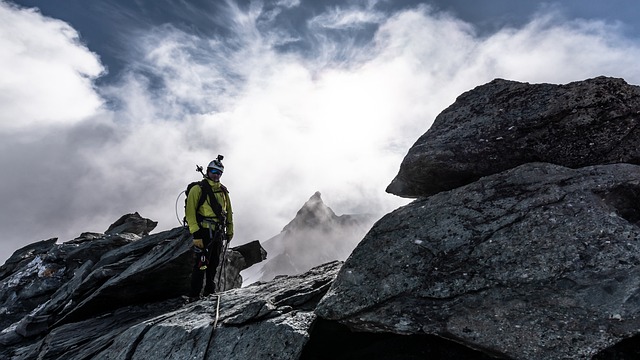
330	106
44	72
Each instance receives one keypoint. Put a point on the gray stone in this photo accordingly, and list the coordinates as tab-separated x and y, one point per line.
236	324
537	262
49	286
25	254
503	124
132	223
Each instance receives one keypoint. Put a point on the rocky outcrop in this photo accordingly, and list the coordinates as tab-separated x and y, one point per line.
503	124
46	286
266	321
537	262
132	224
315	236
502	253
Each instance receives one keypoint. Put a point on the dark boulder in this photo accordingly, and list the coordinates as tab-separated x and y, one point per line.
537	262
503	124
133	224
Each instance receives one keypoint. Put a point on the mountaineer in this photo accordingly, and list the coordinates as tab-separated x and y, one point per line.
210	219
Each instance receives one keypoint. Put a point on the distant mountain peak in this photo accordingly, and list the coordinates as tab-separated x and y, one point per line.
315	236
312	214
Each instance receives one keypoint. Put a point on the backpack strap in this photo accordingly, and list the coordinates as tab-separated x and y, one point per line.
207	191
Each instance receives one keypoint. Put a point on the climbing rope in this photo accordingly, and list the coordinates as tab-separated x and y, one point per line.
215	322
213	330
178	216
223	266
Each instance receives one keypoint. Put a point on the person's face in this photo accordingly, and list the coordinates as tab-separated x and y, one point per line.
214	174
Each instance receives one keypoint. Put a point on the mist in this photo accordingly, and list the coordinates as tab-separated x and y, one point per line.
330	106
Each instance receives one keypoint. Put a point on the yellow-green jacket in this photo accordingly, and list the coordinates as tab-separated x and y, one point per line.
205	210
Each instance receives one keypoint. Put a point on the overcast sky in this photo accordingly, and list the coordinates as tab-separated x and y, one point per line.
107	106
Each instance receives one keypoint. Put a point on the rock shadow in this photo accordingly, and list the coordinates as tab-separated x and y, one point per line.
332	340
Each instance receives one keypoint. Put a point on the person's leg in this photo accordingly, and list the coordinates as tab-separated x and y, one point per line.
214	261
197	276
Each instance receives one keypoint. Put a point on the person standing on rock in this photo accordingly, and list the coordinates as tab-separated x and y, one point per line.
210	221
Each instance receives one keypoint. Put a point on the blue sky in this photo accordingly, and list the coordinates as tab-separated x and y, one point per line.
108	105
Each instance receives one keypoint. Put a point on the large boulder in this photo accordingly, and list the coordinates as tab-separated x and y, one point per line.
503	124
132	224
537	262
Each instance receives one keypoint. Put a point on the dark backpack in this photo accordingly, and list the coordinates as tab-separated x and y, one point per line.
207	191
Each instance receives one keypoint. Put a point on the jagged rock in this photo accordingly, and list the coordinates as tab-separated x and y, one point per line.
235	261
252	253
133	224
24	255
264	321
48	285
503	124
315	236
537	262
34	273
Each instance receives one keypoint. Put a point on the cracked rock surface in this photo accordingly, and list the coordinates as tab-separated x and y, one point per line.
262	321
73	300
537	262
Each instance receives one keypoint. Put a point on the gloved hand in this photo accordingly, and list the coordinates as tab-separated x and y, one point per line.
197	239
229	236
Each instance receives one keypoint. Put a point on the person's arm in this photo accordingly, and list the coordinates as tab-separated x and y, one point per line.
229	233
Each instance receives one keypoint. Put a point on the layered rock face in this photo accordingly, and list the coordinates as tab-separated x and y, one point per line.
537	262
503	253
47	286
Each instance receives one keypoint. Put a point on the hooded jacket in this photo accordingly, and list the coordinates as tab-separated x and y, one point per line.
221	194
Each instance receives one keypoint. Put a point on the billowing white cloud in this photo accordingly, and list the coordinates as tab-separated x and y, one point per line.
336	117
45	74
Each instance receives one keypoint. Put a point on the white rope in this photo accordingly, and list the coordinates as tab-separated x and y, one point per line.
178	216
215	323
213	330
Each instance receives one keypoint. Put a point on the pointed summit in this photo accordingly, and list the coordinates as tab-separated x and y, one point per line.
316	235
313	214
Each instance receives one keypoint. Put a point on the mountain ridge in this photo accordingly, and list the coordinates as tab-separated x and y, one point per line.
315	235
